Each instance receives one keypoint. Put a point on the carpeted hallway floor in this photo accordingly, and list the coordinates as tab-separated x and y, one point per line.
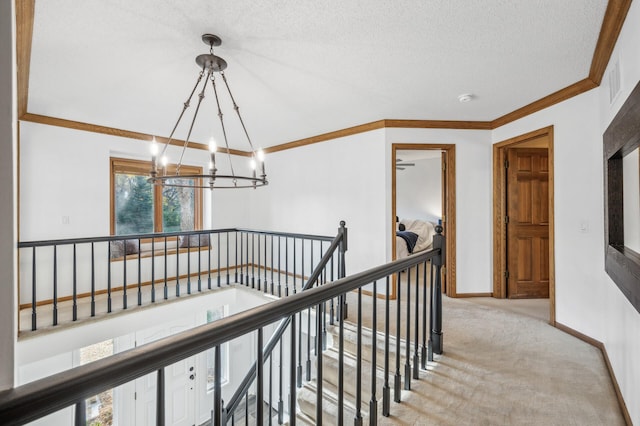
504	365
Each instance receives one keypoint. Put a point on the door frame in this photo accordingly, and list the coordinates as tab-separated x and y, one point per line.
500	210
450	208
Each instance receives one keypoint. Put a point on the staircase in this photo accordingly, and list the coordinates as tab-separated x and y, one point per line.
307	395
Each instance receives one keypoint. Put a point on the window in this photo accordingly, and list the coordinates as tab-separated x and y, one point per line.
138	207
213	315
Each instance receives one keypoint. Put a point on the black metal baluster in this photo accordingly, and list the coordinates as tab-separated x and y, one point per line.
292	374
407	343
286	266
247	261
93	282
75	289
199	264
295	262
259	265
177	267
357	421
241	256
160	398
300	352
280	385
397	378
236	250
341	362
166	288
270	389
373	405
124	276
81	413
217	402
260	380
319	391
109	277
228	256
416	359
272	266
188	237
153	271
252	283
266	287
140	274
425	289
253	259
34	314
331	317
386	397
55	285
246	409
308	363
218	263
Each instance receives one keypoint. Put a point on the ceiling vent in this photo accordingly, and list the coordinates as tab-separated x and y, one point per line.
614	81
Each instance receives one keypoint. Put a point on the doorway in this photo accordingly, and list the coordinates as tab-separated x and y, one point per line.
523	256
443	156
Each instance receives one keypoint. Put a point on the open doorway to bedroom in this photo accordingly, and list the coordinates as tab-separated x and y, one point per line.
423	195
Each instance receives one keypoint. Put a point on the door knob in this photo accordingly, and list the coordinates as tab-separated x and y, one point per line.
193	376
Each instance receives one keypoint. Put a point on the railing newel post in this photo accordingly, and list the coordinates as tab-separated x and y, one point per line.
439	260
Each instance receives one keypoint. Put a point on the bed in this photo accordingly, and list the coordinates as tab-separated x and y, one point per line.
416	236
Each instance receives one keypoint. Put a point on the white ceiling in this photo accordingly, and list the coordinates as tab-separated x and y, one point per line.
299	68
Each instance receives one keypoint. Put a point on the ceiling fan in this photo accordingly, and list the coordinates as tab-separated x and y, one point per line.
400	165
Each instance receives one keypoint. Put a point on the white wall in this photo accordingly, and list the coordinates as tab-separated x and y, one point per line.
312	188
8	182
587	300
473	200
419	190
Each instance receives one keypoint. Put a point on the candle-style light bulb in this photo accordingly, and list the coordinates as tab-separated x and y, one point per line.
154	147
213	147
154	155
260	155
252	163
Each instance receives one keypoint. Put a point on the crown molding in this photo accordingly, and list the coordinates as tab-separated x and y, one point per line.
24	35
614	18
93	128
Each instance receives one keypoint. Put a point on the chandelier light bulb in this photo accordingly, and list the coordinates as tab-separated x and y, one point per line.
164	160
252	163
260	155
154	147
213	147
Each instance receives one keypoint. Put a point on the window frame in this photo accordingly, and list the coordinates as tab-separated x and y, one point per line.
142	168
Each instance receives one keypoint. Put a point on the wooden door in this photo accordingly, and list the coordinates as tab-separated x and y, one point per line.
527	223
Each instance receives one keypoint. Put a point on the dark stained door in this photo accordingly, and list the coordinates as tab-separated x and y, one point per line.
528	223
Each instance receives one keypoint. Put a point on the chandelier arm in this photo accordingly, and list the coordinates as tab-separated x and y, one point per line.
224	131
186	105
237	108
193	120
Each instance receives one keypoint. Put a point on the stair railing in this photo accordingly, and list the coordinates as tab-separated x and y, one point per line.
339	245
104	273
71	388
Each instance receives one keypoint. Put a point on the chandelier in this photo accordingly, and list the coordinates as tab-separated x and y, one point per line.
209	65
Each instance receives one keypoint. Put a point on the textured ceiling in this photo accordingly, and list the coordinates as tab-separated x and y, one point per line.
299	68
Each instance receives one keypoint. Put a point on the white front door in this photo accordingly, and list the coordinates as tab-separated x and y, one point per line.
179	382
